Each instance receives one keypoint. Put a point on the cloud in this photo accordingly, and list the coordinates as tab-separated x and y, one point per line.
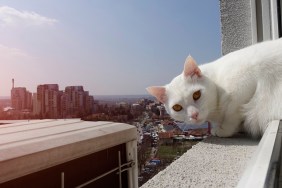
12	17
8	54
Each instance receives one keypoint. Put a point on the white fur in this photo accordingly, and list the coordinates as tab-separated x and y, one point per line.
241	88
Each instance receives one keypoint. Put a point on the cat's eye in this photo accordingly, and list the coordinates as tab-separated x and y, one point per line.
197	95
177	107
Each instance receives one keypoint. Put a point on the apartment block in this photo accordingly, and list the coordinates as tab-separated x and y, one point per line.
50	102
47	101
75	101
21	99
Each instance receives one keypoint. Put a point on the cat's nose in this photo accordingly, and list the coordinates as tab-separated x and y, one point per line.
195	115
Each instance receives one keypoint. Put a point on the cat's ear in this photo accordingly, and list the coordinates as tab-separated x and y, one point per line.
191	68
159	92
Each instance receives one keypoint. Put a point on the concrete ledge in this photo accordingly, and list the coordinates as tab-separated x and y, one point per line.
215	162
27	147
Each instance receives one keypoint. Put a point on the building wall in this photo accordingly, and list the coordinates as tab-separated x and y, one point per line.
48	98
76	101
236	25
36	105
50	102
21	99
246	22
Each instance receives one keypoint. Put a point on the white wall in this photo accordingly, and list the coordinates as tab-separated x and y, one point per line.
245	22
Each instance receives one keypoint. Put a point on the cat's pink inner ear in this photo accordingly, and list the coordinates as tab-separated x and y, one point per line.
191	68
159	92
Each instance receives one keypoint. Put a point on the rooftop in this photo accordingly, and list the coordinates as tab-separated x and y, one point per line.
47	143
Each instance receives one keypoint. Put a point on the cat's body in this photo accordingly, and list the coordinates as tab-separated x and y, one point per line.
241	88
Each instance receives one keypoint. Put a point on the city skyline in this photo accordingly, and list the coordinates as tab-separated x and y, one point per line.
51	102
64	88
109	47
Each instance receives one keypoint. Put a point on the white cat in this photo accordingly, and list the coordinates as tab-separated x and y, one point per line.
240	90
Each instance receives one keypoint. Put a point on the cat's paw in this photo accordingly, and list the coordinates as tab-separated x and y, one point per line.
221	132
213	131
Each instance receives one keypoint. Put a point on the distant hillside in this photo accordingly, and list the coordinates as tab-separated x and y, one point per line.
111	99
115	97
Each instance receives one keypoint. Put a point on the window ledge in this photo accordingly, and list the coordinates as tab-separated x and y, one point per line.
228	162
215	162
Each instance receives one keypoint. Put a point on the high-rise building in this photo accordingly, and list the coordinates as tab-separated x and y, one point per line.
89	105
47	101
36	104
75	101
21	99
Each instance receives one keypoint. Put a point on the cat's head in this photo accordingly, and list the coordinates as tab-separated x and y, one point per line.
189	96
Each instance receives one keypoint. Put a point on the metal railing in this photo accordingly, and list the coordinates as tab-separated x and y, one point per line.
119	170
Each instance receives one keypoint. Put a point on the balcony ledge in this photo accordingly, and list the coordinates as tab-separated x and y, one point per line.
228	162
215	162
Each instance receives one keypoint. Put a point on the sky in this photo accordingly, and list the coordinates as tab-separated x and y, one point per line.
110	47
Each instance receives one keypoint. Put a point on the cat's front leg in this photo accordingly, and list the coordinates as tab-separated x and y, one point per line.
213	131
220	132
229	126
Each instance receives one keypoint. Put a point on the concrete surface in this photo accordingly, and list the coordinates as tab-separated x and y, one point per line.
215	162
236	25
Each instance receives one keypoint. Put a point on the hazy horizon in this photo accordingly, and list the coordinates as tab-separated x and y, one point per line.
105	96
109	47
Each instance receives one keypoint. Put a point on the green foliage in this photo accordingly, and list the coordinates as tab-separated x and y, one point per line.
170	152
